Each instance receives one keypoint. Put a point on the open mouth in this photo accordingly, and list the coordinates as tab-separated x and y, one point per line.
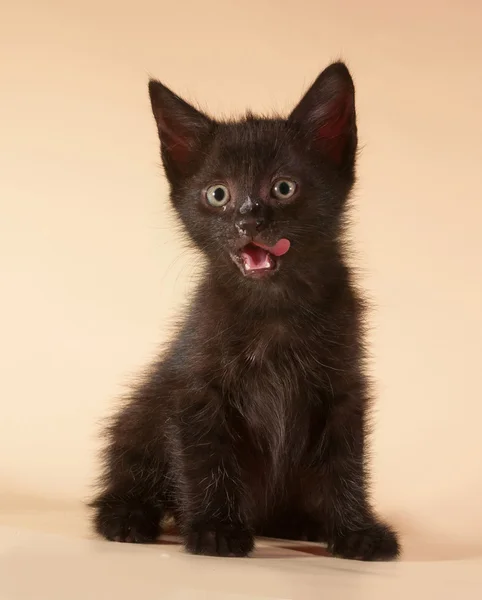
258	260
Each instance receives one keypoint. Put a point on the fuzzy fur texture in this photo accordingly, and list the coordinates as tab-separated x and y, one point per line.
253	422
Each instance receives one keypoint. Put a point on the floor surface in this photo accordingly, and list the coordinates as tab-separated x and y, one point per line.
48	552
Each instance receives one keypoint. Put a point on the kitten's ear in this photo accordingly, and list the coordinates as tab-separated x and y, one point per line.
326	116
183	130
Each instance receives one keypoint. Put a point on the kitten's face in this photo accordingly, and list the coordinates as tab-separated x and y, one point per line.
262	198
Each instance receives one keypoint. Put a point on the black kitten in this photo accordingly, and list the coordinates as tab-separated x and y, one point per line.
254	420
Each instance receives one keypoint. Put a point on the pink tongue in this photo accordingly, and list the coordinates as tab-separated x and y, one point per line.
281	247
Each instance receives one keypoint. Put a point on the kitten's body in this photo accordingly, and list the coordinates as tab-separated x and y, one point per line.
253	422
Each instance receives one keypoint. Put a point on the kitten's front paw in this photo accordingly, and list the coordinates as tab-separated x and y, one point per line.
219	539
126	521
374	542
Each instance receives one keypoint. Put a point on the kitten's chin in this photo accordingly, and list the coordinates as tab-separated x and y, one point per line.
256	262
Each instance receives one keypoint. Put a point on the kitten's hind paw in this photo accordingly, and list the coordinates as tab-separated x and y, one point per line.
219	539
126	521
374	542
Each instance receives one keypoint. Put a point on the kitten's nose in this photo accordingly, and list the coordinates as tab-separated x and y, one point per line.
250	225
251	218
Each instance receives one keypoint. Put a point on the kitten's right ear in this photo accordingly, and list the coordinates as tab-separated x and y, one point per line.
183	130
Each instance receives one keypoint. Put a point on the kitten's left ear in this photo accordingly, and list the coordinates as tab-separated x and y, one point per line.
183	130
326	116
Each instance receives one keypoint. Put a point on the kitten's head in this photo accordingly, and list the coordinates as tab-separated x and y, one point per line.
263	198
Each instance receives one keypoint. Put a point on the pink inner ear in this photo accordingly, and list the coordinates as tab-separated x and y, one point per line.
178	149
334	131
177	144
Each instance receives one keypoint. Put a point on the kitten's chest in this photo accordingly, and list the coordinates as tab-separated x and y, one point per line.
270	385
273	357
264	358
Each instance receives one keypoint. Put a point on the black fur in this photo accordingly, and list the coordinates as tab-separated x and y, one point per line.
254	420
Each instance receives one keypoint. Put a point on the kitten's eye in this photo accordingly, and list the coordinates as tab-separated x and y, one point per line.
217	195
283	189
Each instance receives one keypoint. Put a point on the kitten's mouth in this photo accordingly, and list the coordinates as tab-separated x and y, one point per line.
258	260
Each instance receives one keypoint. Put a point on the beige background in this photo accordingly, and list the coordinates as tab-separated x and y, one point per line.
92	270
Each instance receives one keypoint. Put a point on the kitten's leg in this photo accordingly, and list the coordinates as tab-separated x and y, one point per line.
339	488
123	519
209	487
130	506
